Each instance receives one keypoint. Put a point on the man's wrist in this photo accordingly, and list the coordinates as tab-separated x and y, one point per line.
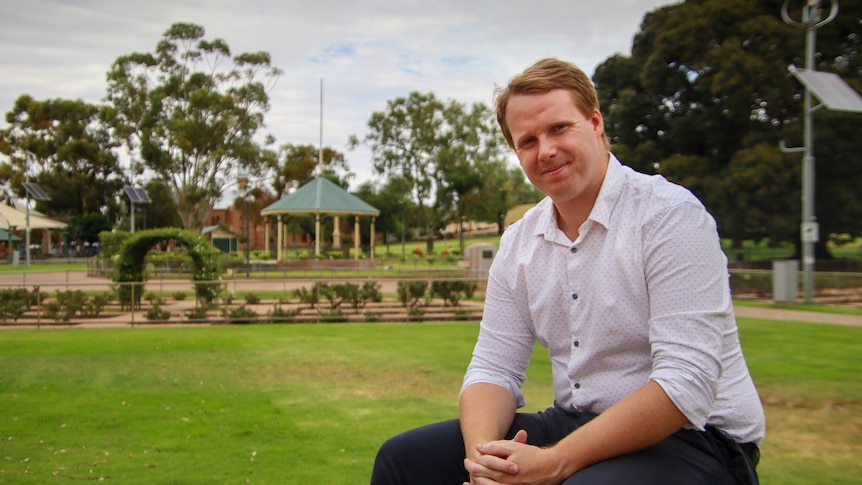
561	461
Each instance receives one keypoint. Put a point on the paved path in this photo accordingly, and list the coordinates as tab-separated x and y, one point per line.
796	315
49	281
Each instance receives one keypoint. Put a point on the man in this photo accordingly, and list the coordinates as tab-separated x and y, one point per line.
621	276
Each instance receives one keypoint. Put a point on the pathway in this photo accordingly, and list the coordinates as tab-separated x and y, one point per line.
70	280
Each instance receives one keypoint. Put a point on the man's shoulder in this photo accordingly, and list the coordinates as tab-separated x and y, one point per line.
655	188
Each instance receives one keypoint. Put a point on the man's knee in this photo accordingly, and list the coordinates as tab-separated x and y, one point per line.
420	455
385	471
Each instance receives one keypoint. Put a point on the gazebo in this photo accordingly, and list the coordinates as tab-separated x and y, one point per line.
318	198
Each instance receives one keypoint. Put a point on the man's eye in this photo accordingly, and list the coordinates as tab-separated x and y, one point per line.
526	143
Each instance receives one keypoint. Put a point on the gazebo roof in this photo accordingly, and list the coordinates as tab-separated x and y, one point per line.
320	196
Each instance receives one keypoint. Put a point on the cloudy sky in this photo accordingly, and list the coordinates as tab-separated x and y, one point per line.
365	51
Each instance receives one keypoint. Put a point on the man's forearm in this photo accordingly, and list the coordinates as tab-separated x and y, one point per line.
643	418
486	413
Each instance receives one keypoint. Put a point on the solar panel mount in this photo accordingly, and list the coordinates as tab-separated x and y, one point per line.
830	89
34	191
137	195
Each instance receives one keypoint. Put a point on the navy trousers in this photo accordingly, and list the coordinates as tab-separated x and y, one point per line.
434	454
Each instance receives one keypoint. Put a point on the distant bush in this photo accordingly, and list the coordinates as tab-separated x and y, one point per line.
197	313
372	317
311	297
157	314
241	314
154	298
14	302
281	315
451	292
410	293
65	305
332	317
94	306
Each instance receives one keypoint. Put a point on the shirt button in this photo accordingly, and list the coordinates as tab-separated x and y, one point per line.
577	385
576	344
574	250
574	296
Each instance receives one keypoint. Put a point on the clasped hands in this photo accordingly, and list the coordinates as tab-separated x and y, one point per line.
512	462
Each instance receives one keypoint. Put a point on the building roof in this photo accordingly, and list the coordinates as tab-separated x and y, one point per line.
320	196
217	231
10	217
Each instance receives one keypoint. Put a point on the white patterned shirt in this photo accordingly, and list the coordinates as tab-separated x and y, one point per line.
642	294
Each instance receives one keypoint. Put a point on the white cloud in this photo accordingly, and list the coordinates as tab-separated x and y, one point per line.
366	51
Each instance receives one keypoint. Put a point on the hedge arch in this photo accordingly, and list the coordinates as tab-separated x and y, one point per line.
129	266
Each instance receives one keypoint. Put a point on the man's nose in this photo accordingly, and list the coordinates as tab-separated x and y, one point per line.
547	148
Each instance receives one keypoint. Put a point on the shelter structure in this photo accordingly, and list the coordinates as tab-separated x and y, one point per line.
14	219
320	197
222	238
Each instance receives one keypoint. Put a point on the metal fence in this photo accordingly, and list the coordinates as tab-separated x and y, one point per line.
175	294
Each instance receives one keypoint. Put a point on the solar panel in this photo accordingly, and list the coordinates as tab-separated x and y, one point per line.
35	192
137	195
830	89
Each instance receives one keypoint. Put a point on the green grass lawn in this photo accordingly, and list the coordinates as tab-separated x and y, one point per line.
310	404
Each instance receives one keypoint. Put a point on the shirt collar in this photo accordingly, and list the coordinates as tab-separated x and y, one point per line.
609	194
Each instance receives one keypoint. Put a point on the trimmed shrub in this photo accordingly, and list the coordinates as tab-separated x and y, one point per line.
94	306
451	292
411	292
281	315
241	314
14	302
157	314
335	316
197	313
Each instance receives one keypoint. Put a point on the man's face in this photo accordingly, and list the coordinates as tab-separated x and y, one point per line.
560	148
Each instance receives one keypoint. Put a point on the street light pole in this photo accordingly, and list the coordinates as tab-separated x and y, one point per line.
247	239
809	230
242	185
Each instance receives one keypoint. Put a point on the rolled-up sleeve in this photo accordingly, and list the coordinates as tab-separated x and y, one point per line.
690	308
505	344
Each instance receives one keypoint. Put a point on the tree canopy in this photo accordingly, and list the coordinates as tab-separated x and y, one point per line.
705	98
189	113
61	145
448	158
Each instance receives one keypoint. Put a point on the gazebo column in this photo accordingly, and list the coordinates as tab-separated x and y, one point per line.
316	234
279	238
373	221
266	234
336	232
356	237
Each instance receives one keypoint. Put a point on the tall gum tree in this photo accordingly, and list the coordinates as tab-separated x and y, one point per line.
189	113
62	145
439	150
706	97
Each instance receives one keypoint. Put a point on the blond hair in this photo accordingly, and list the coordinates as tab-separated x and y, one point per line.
547	75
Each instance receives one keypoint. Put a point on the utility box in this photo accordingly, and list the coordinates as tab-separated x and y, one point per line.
479	257
785	280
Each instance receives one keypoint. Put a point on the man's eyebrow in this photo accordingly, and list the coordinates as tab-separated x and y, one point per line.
522	139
